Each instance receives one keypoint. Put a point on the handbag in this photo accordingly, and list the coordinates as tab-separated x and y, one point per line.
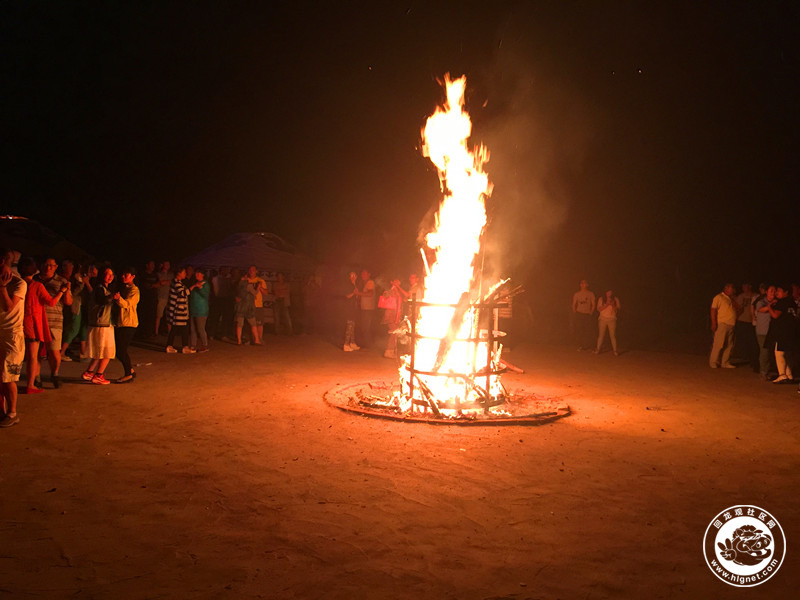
387	302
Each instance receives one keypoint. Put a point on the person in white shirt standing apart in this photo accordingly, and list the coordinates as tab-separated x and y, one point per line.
583	305
607	308
723	322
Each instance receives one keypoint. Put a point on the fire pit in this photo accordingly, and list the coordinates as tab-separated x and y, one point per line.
379	399
452	370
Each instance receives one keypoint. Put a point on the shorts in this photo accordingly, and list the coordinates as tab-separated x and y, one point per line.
55	343
260	313
12	353
250	320
161	306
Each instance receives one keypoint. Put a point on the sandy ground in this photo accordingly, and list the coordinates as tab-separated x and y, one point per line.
225	475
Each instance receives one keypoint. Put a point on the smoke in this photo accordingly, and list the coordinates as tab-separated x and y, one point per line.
538	131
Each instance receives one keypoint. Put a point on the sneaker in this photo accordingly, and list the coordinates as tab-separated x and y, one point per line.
100	379
56	381
347	348
203	349
171	350
66	358
33	390
187	350
354	347
8	421
87	375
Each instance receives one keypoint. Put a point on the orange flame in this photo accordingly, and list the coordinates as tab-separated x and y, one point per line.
456	244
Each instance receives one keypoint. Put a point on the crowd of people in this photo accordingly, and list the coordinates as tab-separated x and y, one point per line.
47	308
62	313
363	303
759	329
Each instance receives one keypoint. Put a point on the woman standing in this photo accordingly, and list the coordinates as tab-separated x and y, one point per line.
34	322
392	302
608	307
198	310
127	300
101	332
178	313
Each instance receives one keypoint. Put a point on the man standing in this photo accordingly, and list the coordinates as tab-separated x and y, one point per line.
259	287
745	348
224	289
165	277
762	318
368	304
12	338
148	284
723	322
54	283
583	305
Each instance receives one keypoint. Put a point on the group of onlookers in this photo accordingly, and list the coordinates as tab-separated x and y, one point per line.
761	329
194	305
362	304
589	328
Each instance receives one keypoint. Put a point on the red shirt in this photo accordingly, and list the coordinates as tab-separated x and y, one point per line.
34	323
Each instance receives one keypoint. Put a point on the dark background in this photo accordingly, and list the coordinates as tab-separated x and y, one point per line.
651	148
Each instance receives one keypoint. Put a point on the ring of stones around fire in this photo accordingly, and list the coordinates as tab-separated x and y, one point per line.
525	408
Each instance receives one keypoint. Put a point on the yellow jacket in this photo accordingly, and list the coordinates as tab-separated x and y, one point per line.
127	309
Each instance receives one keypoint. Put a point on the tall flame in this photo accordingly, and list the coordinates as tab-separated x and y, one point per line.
456	243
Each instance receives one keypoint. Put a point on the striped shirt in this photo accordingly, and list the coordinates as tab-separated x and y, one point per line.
178	305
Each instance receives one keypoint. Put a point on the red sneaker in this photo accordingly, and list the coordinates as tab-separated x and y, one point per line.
87	375
100	379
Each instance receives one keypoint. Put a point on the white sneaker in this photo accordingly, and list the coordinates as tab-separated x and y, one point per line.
171	350
187	350
347	348
354	347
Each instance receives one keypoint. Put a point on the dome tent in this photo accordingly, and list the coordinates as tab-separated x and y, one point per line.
268	252
31	238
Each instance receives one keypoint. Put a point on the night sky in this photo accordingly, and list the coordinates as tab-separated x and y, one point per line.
649	147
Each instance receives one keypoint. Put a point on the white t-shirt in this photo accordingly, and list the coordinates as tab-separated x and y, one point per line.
369	302
11	320
606	310
582	302
744	301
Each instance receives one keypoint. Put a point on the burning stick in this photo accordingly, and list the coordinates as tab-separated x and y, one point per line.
428	395
452	330
425	261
